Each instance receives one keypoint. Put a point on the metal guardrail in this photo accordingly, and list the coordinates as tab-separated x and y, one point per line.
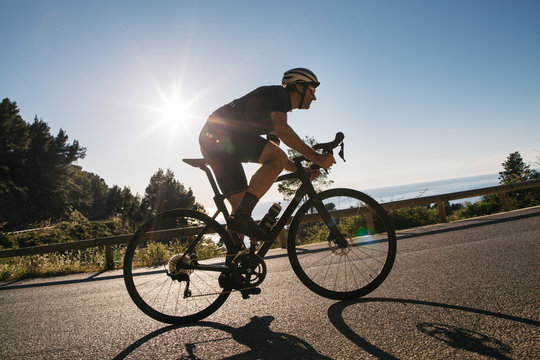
109	241
441	199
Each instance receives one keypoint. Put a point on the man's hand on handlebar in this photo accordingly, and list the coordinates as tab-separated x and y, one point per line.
324	160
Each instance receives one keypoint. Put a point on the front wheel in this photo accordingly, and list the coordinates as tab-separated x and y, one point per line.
339	269
174	264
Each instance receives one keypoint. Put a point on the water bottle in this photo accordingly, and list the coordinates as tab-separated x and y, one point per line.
269	220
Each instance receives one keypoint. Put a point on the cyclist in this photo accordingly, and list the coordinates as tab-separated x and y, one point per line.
232	136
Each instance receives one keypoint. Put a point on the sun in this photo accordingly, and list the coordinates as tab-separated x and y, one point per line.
174	113
170	112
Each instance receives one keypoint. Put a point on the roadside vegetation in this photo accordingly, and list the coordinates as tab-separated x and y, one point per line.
43	188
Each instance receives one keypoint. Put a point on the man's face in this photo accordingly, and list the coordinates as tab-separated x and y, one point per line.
308	97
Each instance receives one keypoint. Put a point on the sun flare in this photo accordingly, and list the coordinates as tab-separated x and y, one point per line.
174	113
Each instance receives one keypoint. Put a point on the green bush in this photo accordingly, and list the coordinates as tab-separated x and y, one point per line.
59	263
65	231
489	204
5	241
413	217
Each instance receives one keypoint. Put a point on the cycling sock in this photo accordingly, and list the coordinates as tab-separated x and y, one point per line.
247	205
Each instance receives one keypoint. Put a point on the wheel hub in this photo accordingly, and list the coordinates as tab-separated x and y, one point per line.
340	251
174	266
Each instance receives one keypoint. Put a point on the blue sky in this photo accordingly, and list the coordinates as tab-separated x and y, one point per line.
423	90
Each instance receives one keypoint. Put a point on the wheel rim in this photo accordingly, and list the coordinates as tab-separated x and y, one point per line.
342	272
155	273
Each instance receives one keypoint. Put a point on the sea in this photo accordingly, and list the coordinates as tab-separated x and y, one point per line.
410	191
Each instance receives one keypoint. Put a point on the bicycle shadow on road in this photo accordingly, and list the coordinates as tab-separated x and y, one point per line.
263	343
450	335
469	340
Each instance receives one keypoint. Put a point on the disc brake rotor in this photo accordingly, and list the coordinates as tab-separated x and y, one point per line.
336	250
174	266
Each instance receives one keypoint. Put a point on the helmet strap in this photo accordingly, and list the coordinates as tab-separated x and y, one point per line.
302	98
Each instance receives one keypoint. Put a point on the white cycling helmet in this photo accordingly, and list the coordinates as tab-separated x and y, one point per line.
299	76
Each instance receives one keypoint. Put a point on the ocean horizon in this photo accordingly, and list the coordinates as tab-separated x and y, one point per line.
428	188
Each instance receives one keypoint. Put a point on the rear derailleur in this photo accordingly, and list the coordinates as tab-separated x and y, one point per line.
176	271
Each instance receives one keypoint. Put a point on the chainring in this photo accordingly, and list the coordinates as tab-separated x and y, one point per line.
247	270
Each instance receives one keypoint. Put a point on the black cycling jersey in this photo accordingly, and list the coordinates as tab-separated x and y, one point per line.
251	113
231	136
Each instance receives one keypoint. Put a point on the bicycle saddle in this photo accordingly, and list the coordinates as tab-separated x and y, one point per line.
195	162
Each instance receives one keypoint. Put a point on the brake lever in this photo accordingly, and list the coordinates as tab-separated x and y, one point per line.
341	152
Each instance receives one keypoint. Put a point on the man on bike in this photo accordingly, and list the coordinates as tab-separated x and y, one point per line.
232	136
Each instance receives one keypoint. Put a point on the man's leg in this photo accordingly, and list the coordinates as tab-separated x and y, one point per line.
273	161
235	200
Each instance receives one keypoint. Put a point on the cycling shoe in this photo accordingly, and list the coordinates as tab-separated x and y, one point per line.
247	226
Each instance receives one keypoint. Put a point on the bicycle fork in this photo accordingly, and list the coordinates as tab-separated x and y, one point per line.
335	233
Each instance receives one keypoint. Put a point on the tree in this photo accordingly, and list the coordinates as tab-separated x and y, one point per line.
114	201
99	189
80	196
14	142
40	181
164	192
131	208
515	170
288	187
34	168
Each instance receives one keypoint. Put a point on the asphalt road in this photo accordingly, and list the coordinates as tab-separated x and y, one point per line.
465	290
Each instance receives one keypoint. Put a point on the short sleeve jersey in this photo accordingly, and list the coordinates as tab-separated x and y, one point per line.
251	113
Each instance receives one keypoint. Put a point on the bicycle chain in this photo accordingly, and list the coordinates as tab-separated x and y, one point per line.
223	292
229	291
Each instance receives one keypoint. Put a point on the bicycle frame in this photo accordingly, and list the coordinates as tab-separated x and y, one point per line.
339	262
306	188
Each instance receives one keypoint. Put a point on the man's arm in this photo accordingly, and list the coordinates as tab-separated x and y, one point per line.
292	140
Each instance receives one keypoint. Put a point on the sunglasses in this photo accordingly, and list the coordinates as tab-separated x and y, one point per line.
312	88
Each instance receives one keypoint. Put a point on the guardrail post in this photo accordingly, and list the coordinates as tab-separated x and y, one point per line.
109	260
442	211
283	239
370	224
504	204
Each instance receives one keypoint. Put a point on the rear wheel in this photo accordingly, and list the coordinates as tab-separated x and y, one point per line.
167	281
353	269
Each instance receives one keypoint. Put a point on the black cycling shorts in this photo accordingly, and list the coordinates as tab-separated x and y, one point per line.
226	150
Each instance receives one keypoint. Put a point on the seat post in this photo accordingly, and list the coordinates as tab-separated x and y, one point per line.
215	188
218	198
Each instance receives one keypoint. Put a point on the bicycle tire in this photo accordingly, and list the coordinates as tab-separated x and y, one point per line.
349	272
155	250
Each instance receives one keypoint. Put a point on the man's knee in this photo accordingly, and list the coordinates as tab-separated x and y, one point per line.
272	153
282	158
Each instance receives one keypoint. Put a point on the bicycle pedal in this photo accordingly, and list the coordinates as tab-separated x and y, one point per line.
252	291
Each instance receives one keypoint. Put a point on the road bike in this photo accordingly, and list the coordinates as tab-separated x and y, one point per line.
181	265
